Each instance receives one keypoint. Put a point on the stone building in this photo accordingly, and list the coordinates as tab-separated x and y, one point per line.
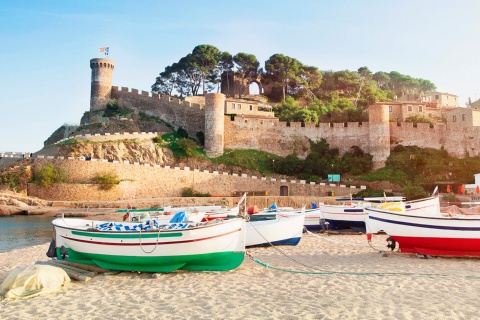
401	110
440	99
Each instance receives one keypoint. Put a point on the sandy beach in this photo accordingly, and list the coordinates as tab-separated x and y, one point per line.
339	277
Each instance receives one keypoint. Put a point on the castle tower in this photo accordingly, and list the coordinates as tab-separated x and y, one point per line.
101	88
214	124
379	134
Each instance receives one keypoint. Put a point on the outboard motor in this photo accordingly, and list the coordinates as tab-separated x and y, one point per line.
52	252
391	243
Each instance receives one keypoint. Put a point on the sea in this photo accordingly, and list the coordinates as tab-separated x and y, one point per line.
22	231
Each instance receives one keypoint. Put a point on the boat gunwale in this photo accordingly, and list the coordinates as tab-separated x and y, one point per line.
441	218
95	230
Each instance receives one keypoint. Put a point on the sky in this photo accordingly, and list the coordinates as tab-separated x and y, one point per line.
46	47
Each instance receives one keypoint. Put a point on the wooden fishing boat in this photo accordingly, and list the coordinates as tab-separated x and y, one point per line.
281	228
313	217
150	247
350	214
425	231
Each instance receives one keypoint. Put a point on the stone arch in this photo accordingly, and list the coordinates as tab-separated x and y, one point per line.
259	85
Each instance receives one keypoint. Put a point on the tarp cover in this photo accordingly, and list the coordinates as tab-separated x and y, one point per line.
30	281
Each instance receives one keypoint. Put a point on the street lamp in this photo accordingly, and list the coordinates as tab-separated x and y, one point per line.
273	167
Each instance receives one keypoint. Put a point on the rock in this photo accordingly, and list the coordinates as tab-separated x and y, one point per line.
11	210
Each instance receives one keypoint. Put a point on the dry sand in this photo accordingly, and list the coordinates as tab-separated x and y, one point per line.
361	287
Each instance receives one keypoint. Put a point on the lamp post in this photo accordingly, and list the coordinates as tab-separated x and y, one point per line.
273	167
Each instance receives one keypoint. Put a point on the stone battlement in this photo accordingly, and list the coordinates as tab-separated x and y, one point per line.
112	136
141	180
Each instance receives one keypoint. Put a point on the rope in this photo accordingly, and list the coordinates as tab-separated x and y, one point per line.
329	272
377	274
326	239
156	244
344	243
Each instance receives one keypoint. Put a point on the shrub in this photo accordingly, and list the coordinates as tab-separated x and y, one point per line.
450	197
107	180
189	192
46	175
188	146
414	192
182	133
158	139
368	193
201	138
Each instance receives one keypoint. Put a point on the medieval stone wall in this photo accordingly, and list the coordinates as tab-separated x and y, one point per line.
178	113
280	138
145	181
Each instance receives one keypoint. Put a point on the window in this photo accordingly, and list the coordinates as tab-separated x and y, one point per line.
390	108
420	108
233	105
454	118
409	108
239	106
251	107
464	117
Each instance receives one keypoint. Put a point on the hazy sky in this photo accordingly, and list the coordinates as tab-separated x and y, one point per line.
46	47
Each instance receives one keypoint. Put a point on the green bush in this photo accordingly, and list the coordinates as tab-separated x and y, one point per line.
158	139
370	193
189	192
107	180
450	197
187	146
201	138
182	133
46	175
414	192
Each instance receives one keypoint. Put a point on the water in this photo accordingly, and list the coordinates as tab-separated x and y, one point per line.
18	232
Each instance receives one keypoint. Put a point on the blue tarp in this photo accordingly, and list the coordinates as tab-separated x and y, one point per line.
273	207
179	217
314	205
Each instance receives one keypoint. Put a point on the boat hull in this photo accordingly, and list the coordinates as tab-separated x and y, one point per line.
342	217
215	247
428	234
285	229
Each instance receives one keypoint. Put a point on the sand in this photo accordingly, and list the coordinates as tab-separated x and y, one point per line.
364	284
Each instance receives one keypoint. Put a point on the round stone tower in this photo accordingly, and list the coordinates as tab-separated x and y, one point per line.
214	124
102	70
379	134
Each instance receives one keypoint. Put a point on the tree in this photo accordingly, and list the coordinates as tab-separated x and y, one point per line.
194	71
247	67
282	69
306	116
205	59
286	109
307	81
225	65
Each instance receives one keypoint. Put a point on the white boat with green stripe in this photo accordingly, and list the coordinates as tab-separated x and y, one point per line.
211	246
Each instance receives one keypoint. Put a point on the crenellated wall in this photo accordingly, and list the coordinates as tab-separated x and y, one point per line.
279	137
178	113
146	181
457	141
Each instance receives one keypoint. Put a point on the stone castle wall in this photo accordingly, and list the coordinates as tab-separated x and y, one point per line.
189	116
145	181
279	138
457	141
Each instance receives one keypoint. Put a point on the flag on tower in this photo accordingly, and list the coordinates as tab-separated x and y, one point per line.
104	50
